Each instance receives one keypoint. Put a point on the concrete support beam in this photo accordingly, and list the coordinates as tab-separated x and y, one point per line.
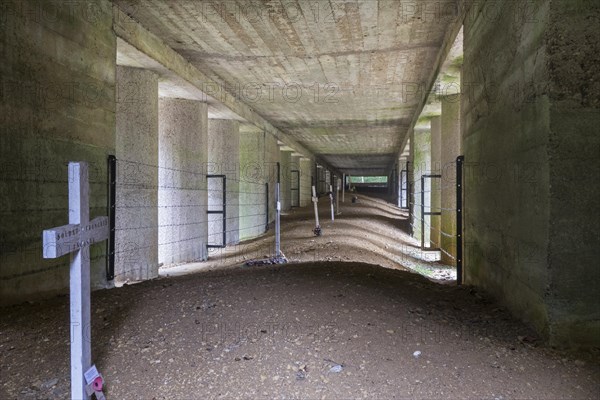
223	159
182	195
295	180
136	149
450	149
436	184
172	63
422	165
252	188
272	157
306	171
286	180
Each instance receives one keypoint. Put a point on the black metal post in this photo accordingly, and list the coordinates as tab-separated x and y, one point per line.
296	188
408	193
459	219
224	211
112	200
267	207
278	173
422	212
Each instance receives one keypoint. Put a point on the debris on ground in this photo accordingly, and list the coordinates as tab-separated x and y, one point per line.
267	261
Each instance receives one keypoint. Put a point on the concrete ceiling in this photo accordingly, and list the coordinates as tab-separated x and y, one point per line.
345	79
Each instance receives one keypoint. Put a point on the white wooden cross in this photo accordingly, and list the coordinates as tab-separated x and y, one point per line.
76	239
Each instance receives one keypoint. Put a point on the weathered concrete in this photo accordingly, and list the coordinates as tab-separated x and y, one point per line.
286	180
295	181
136	228
527	126
450	149
421	140
573	46
57	104
182	194
341	78
224	159
306	176
252	184
272	157
436	184
166	61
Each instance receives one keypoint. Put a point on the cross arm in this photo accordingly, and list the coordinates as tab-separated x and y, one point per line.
68	238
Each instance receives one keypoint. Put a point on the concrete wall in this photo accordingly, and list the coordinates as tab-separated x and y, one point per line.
252	184
286	180
295	181
572	46
529	111
450	150
306	171
223	159
182	194
272	157
136	229
436	184
57	104
421	140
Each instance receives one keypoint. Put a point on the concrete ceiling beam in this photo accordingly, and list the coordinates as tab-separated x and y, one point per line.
152	46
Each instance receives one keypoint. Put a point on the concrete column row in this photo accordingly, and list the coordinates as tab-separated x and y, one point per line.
165	148
433	151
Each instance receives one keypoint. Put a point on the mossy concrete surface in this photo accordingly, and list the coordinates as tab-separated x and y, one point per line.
530	116
57	104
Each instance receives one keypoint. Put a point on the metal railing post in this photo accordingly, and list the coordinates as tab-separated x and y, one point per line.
267	207
277	222
112	211
459	219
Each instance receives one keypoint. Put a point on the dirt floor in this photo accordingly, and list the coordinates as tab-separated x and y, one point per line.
320	329
372	231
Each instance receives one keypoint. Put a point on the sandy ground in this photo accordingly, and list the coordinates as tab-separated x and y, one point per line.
314	330
371	231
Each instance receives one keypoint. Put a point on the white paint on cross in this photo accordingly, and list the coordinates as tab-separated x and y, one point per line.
75	239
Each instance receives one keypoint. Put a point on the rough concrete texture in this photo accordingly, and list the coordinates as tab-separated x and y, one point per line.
182	194
286	180
224	159
306	176
57	104
436	184
450	150
421	166
528	144
252	185
340	77
272	157
573	51
136	227
295	181
321	186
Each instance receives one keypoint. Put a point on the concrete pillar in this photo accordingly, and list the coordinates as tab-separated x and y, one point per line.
286	180
450	149
436	184
295	181
136	228
253	196
182	195
422	165
306	168
322	180
402	182
272	157
223	159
